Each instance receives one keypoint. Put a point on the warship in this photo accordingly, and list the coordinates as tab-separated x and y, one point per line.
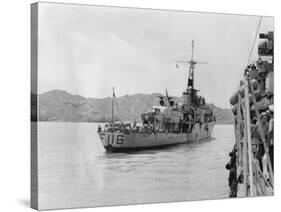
251	171
169	123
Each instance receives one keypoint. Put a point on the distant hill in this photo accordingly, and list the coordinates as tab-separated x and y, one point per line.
58	105
223	116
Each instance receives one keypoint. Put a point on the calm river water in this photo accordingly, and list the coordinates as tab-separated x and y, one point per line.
75	170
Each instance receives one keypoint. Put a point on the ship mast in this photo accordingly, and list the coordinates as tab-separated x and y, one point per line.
112	108
192	63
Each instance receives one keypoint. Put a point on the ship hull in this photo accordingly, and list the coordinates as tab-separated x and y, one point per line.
121	142
112	149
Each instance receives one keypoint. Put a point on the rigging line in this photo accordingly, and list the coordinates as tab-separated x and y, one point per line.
254	41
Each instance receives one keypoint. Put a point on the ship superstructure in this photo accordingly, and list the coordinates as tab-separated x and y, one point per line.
166	124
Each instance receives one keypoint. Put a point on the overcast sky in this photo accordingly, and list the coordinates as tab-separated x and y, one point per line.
87	50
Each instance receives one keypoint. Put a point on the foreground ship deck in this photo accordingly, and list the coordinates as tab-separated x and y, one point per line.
251	165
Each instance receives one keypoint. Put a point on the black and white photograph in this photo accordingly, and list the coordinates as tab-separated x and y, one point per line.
138	106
